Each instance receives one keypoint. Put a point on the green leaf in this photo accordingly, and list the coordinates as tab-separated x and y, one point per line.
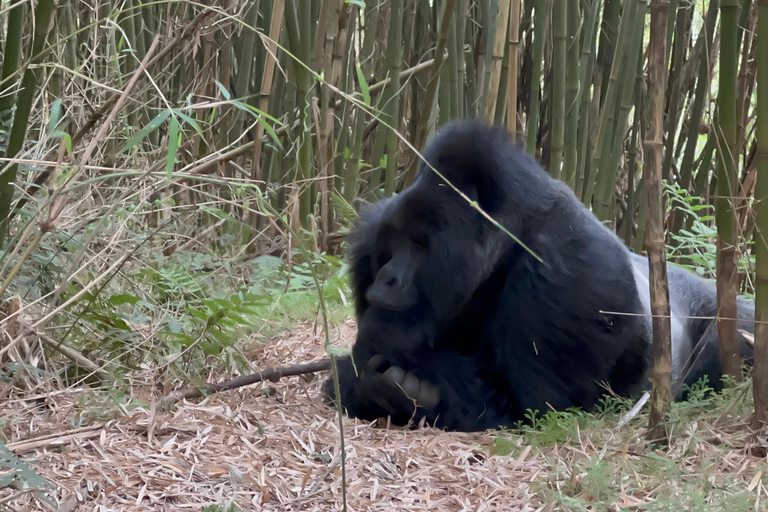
173	147
271	131
192	123
153	125
53	122
363	85
223	90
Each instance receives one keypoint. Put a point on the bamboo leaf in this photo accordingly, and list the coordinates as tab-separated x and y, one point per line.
192	123
53	122
173	147
223	90
363	85
153	125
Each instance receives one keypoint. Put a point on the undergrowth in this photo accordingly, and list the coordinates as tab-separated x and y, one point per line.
595	464
190	310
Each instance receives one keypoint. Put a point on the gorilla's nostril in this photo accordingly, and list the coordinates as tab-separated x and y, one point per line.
392	282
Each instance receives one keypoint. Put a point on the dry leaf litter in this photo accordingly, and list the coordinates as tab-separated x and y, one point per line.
269	446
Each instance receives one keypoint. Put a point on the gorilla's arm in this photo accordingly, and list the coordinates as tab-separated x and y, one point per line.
437	391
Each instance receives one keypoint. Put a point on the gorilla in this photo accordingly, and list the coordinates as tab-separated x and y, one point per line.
469	328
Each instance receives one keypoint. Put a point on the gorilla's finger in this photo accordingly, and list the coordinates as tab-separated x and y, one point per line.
395	374
374	363
429	395
410	385
388	395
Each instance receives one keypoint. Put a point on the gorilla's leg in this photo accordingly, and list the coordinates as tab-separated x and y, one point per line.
693	304
704	360
451	391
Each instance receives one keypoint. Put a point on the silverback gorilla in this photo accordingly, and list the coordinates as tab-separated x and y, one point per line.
460	324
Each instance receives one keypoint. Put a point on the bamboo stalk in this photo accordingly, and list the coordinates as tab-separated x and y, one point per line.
572	95
706	35
760	370
661	395
24	101
602	182
560	37
514	55
425	115
392	108
726	129
499	41
352	176
540	24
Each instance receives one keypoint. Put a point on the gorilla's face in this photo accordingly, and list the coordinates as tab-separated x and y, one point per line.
429	252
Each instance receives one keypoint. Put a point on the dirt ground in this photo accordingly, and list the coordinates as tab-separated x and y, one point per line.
270	446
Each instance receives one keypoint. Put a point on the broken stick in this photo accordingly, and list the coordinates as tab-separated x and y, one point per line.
270	374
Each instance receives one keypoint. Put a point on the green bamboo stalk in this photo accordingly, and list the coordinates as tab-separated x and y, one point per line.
367	60
571	95
540	25
70	47
461	28
501	104
344	129
444	90
378	164
586	77
483	49
453	65
672	26
673	108
109	61
706	35
332	20
590	113
426	114
608	37
24	102
632	192
247	49
744	85
760	370
149	16
726	126
471	76
497	54
635	50
514	57
393	61
603	176
13	35
559	51
138	23
298	25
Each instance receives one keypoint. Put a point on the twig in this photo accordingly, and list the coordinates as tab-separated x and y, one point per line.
57	439
634	410
270	374
74	355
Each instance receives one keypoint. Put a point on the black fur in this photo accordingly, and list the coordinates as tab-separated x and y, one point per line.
444	294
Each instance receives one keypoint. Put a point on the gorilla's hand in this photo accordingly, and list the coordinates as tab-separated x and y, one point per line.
382	390
397	391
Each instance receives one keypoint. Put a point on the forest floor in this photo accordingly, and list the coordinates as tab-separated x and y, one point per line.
275	446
